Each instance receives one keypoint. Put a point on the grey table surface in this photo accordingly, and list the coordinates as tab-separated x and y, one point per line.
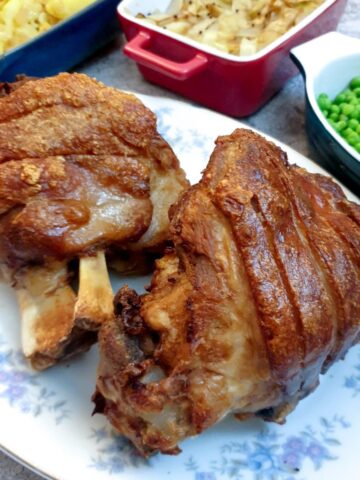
283	118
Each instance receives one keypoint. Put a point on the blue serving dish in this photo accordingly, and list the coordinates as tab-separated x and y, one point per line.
328	63
64	45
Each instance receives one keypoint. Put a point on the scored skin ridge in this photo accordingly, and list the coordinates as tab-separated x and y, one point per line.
318	261
347	214
352	211
323	337
339	317
332	254
277	270
319	333
308	381
297	381
189	234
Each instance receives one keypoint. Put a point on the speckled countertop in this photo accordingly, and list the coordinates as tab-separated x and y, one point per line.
283	118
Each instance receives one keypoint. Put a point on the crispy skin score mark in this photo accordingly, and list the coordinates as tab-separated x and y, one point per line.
316	259
323	275
271	241
334	293
191	331
351	212
277	378
351	215
355	254
326	276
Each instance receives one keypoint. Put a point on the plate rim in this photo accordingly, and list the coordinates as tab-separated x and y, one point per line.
24	463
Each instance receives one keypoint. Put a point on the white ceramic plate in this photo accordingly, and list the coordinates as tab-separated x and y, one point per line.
45	419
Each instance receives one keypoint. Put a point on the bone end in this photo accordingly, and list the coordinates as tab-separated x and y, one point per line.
94	304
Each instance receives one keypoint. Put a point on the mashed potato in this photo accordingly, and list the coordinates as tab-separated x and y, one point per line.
21	20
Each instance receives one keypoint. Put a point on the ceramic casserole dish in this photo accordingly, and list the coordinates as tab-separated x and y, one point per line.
233	85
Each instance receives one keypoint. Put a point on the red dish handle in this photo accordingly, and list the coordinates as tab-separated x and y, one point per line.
136	49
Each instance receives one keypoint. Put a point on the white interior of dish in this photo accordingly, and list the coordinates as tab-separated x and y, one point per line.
130	8
335	76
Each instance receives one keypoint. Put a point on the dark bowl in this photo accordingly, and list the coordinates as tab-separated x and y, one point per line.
327	64
64	45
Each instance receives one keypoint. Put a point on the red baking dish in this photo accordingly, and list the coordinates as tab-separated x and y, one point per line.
233	85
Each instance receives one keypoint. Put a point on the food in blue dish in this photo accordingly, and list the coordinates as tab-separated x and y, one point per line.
65	44
343	113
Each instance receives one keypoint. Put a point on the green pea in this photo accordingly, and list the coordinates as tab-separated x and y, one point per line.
323	95
355	82
347	132
354	139
349	94
340	126
355	113
335	109
340	99
343	113
347	109
353	124
324	101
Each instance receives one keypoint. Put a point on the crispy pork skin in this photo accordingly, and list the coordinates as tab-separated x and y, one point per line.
260	294
83	171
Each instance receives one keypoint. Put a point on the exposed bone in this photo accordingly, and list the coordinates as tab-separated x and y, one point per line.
55	323
94	304
47	315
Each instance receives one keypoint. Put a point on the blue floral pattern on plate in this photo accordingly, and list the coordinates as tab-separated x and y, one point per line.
271	455
115	453
21	388
353	381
